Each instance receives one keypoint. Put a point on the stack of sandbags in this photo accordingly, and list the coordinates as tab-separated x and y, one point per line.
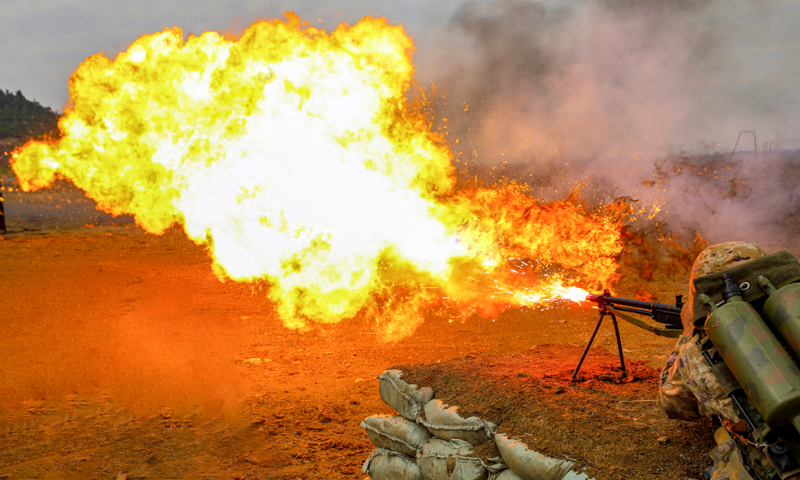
398	438
429	440
407	400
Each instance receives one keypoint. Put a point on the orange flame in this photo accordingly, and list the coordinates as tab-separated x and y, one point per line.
296	157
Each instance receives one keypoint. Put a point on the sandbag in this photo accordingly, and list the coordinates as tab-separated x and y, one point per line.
444	422
506	474
441	460
576	476
396	433
385	464
530	465
407	400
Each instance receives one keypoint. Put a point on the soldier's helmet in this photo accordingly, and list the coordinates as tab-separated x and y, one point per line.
724	255
713	259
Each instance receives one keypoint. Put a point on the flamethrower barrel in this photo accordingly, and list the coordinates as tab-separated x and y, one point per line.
660	312
629	302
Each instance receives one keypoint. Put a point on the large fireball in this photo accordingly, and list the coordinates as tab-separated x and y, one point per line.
297	158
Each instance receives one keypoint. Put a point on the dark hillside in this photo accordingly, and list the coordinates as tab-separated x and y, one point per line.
21	120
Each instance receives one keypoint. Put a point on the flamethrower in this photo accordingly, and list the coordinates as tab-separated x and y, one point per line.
669	315
750	338
747	351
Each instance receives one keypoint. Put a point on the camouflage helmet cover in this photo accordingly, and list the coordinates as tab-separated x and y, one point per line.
725	255
713	259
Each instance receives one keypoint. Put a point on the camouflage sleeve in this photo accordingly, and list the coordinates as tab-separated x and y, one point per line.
675	398
689	389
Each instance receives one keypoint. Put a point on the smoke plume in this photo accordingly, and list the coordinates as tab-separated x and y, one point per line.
635	97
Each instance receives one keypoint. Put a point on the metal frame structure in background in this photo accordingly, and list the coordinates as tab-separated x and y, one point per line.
755	142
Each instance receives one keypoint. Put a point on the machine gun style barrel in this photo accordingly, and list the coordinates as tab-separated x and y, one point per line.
669	315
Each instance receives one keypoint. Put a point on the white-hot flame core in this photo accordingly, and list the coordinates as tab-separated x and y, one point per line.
297	157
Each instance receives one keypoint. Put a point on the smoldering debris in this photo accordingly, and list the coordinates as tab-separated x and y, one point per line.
742	196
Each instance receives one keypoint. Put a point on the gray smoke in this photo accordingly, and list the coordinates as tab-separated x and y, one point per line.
624	93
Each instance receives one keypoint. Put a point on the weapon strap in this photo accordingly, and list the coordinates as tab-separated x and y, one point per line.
729	426
661	332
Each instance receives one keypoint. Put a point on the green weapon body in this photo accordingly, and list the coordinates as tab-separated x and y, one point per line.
782	309
751	347
757	360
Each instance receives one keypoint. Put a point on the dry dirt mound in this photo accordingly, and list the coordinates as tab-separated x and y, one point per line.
610	426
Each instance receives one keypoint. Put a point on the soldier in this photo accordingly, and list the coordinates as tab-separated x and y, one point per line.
688	389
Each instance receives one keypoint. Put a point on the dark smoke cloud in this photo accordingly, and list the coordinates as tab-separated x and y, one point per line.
624	93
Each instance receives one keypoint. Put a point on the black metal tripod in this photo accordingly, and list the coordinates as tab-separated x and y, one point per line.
603	312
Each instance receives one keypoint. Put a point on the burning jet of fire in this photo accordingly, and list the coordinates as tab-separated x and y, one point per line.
297	157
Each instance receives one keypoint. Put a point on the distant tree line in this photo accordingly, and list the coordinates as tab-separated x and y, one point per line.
24	119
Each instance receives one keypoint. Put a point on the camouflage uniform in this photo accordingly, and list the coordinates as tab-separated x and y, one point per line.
689	390
728	461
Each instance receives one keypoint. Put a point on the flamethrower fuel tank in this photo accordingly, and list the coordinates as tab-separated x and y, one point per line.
782	310
763	368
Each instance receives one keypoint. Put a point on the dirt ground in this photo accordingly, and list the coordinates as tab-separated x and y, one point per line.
609	424
122	353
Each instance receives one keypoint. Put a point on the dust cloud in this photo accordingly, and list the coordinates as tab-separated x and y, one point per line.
635	97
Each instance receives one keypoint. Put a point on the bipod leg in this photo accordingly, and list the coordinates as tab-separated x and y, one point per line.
619	344
588	345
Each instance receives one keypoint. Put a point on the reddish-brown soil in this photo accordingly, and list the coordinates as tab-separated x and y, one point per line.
122	353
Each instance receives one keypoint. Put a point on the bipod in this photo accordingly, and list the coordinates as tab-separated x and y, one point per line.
603	312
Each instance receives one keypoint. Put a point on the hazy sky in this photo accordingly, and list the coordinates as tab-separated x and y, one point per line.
43	41
593	76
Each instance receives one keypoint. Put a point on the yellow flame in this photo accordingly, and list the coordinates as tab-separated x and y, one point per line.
571	293
295	155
